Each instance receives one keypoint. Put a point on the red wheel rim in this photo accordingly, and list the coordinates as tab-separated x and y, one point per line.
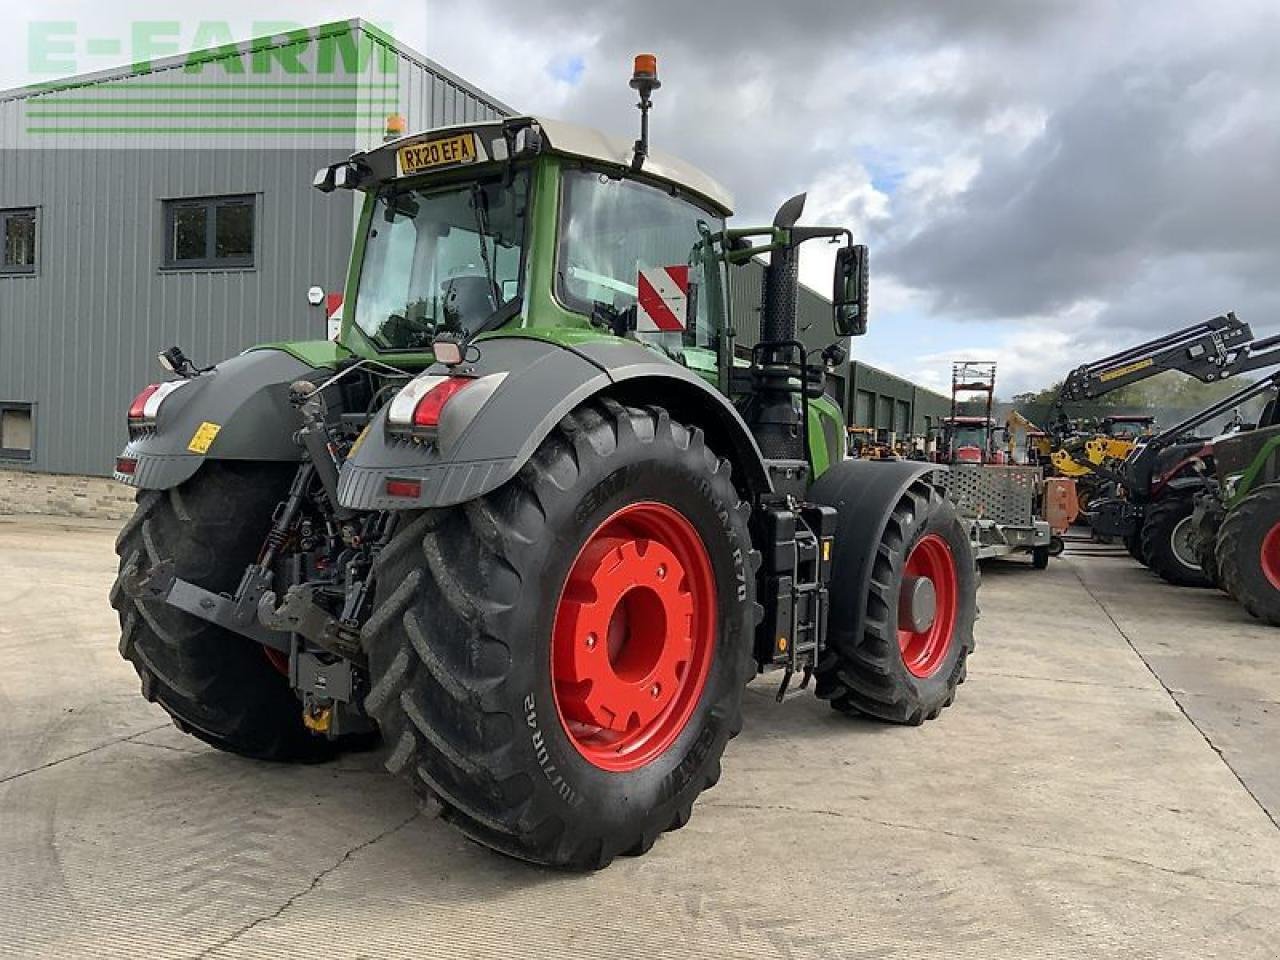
633	636
278	659
1271	556
924	649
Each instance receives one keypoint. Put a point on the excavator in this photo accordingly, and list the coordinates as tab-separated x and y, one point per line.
1151	491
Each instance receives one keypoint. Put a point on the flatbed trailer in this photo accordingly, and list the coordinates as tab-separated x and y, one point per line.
1011	509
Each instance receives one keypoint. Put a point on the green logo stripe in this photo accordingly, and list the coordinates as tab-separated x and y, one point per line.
274	131
202	115
217	85
238	101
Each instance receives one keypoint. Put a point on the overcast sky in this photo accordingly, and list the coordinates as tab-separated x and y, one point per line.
1039	182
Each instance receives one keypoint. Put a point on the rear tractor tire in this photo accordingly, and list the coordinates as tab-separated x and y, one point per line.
1166	543
1133	544
558	665
917	631
1248	552
216	685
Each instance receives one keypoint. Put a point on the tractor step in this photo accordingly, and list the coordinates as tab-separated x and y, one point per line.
796	546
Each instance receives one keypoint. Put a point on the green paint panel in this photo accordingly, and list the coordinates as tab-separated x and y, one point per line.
1256	473
824	419
314	353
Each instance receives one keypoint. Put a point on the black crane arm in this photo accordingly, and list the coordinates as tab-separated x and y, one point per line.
1136	472
1208	351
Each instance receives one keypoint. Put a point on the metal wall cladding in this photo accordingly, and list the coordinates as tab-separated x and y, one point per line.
869	396
78	338
886	401
813	311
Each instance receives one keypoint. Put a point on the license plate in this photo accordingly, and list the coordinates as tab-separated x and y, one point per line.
445	152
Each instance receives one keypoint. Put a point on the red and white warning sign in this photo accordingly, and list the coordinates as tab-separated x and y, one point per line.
662	299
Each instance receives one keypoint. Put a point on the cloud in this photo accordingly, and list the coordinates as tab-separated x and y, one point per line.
1044	181
1057	179
567	69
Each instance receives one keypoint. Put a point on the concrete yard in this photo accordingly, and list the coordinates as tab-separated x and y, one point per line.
1106	785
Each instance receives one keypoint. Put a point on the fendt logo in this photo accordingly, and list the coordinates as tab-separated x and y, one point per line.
341	78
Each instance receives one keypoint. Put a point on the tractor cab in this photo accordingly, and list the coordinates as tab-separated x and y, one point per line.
542	229
533	224
969	440
1128	426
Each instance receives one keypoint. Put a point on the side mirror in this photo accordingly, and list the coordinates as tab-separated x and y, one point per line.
849	298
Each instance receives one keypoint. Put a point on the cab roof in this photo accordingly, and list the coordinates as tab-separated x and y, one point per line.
573	140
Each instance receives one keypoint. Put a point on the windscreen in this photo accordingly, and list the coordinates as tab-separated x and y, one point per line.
612	229
441	260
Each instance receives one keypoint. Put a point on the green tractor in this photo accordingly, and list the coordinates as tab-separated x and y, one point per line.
1236	525
535	519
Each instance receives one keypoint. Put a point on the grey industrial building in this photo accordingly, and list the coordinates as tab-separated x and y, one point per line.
141	208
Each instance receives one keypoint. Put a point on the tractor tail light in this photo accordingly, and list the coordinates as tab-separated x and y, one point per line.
137	409
418	407
146	405
427	413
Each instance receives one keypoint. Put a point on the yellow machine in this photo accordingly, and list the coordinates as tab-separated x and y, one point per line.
1021	433
1116	439
863	443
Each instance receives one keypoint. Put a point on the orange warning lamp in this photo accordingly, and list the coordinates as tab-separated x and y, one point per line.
645	74
644	79
396	125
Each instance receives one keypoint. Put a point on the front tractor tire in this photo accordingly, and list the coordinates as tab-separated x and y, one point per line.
917	632
1167	543
1248	553
557	666
216	685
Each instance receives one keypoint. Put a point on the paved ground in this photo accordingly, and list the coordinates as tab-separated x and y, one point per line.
1106	786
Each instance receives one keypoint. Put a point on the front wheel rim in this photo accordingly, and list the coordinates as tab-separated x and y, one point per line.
1180	544
924	647
633	636
1270	558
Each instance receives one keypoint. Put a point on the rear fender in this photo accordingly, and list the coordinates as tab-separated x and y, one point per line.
864	494
486	436
245	398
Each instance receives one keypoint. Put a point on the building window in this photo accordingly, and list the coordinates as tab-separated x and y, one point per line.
208	233
18	234
16	433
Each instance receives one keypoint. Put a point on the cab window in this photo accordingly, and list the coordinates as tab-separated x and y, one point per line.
611	229
440	260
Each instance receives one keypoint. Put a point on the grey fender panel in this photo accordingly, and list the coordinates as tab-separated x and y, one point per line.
629	361
247	396
864	493
479	450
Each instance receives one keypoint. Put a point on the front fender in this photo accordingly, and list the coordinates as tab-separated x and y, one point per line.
483	445
245	397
